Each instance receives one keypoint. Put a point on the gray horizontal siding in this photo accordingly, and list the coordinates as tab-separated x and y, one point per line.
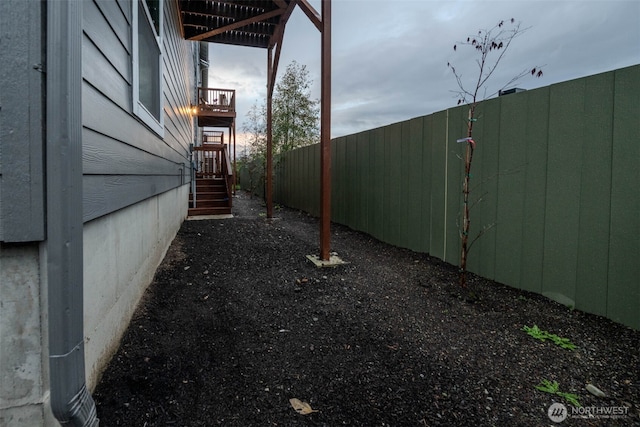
111	83
103	116
100	31
179	80
123	161
21	122
107	193
103	155
117	19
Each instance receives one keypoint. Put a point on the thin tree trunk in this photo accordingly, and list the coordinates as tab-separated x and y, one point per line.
466	189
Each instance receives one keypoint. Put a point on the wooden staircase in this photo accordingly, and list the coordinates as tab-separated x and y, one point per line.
212	198
211	189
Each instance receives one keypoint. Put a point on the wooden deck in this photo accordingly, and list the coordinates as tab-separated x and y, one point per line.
216	107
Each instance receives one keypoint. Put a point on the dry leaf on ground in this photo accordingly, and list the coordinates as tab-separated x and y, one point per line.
302	408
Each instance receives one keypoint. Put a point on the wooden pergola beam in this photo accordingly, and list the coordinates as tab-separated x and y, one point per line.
311	13
278	34
272	71
238	24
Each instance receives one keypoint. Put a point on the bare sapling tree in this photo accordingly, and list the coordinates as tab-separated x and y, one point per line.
490	46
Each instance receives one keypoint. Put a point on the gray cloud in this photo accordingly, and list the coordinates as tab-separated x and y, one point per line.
389	57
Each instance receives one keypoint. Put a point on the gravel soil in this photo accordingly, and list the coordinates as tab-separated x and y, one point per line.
238	321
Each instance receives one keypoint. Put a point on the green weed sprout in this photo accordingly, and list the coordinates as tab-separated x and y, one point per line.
541	335
554	388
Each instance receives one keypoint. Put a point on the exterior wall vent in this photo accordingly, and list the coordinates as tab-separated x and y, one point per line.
510	91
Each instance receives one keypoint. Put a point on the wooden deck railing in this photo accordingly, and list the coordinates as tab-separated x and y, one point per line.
212	137
211	100
212	161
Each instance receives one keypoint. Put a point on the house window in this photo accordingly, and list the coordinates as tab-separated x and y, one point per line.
147	63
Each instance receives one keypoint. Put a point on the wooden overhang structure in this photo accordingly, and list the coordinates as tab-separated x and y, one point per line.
261	24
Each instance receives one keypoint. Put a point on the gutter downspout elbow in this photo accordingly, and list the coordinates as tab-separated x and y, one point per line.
71	402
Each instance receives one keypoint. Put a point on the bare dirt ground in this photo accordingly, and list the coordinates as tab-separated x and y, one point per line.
238	322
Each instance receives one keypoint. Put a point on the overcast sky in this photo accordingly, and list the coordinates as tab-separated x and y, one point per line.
390	57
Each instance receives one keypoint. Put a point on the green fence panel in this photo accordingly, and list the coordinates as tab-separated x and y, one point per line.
566	122
426	184
480	197
512	159
312	192
295	180
303	178
363	181
292	181
413	184
439	156
316	167
376	203
392	181
402	213
306	179
535	185
287	168
595	187
278	180
337	180
486	176
302	189
457	129
623	296
352	199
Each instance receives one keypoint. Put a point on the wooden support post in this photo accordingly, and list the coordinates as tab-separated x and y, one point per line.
269	171
235	168
325	133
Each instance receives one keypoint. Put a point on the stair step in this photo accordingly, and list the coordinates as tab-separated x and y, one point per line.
211	191
218	203
209	196
210	185
212	197
201	190
209	211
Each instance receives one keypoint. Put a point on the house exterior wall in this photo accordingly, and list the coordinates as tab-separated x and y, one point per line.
135	190
135	187
21	120
124	162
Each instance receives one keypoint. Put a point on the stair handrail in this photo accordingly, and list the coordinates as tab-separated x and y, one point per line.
227	172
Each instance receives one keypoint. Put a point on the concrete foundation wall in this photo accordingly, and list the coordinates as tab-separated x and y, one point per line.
121	254
23	339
